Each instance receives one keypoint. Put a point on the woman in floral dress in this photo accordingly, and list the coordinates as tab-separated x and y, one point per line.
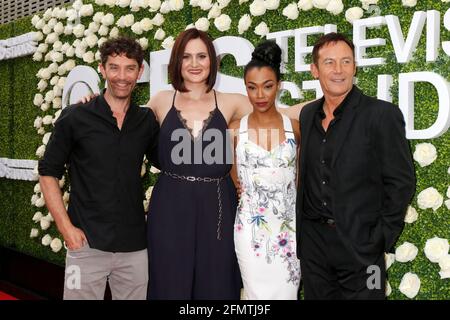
264	233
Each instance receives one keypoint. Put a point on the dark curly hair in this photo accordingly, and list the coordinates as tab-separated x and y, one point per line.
266	54
122	45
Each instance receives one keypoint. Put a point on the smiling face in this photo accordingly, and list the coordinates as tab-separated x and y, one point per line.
121	73
262	87
335	69
196	63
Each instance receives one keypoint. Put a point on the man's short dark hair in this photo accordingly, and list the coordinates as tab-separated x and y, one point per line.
176	58
332	37
122	45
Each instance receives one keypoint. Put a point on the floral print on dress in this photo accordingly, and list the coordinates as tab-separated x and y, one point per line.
267	204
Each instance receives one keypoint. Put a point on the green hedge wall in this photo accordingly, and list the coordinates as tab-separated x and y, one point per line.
18	138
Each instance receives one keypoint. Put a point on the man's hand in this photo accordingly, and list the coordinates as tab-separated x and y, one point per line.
74	238
86	99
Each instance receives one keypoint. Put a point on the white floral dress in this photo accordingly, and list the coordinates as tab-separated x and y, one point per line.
264	233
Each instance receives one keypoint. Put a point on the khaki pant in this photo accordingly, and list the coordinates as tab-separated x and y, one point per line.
87	271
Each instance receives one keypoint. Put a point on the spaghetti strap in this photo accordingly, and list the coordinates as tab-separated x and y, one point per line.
288	131
215	98
173	100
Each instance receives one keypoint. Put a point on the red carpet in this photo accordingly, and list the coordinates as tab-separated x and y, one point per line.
4	296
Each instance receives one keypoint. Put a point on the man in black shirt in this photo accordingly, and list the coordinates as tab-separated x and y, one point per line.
356	180
103	143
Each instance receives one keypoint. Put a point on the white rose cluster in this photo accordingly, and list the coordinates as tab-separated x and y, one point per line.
436	250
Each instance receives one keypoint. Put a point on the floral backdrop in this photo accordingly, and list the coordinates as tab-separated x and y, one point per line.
31	90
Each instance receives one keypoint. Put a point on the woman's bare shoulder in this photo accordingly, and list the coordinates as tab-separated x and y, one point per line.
161	98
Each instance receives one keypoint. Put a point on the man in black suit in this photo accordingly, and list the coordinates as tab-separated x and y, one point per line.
356	180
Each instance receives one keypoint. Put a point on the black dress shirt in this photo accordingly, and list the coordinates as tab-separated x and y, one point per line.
104	165
319	152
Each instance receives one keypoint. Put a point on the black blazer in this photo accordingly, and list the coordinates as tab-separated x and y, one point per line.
372	176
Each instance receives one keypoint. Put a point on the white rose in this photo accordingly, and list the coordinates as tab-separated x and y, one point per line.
42	85
261	29
38	99
62	182
45	73
128	20
159	34
49	96
222	22
57	56
154	170
103	30
37	122
38	215
93	27
135	5
425	154
57	102
89	57
69	64
158	19
305	5
165	7
62	15
335	7
430	198
45	224
66	197
52	23
291	11
79	52
123	3
59	28
406	252
40	202
98	16
223	3
146	24
411	215
33	202
444	264
40	131
272	4
34	233
44	107
436	248
243	1
46	138
40	24
46	29
154	5
40	151
148	193
410	285
388	289
68	30
47	120
202	24
409	3
37	56
136	28
320	4
57	46
51	38
77	4
38	36
214	12
97	56
110	3
447	204
72	15
144	43
78	30
205	4
168	43
46	240
244	23
34	20
56	245
176	5
189	26
448	170
108	19
257	8
114	33
353	14
389	259
57	114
